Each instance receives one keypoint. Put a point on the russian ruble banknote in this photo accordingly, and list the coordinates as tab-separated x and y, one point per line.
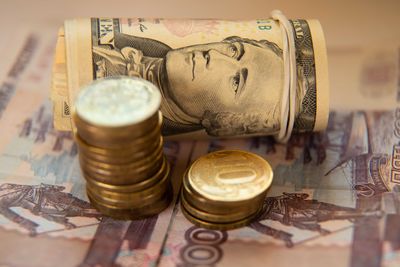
334	201
45	216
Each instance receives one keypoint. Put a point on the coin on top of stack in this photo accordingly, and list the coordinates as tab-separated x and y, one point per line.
118	132
226	189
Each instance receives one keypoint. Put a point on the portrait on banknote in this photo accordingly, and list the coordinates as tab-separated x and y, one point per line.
229	87
204	85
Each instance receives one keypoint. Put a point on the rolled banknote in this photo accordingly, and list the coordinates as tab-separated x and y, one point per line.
217	78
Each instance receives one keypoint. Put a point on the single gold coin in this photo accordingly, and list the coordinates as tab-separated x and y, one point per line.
134	214
127	132
138	196
148	168
127	204
121	179
119	149
120	139
221	207
150	159
123	158
134	187
230	175
213	217
122	176
218	226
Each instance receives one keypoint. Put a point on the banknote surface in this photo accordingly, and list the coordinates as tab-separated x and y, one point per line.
45	215
334	202
217	78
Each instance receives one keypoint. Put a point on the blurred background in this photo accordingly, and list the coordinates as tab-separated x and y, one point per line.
344	22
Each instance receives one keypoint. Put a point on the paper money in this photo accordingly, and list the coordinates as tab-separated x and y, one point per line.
349	210
45	216
334	201
218	78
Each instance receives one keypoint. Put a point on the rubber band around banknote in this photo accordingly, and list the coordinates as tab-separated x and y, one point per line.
288	106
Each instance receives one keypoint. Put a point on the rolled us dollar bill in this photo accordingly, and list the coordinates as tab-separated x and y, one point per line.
217	78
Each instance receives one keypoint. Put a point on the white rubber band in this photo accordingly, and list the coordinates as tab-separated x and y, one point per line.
288	105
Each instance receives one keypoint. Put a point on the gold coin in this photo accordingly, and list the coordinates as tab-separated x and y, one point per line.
212	217
151	158
137	196
91	132
122	158
134	214
120	153
131	188
221	207
127	204
117	146
118	138
130	142
218	226
230	175
122	178
119	170
127	148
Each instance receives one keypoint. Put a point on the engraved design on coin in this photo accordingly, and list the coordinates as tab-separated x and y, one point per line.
230	175
116	102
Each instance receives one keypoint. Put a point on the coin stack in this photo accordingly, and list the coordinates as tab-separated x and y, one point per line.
118	132
226	189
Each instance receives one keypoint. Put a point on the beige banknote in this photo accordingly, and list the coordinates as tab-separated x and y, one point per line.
45	216
334	201
217	78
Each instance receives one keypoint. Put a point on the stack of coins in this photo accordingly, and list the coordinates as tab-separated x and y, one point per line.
225	189
118	132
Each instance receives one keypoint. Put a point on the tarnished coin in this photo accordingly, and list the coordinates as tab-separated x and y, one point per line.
230	175
117	102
